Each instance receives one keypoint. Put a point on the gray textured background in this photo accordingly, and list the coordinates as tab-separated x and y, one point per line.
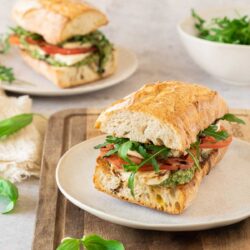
149	28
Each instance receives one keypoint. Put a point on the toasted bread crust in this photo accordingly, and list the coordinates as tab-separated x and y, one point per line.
173	113
169	200
66	77
57	20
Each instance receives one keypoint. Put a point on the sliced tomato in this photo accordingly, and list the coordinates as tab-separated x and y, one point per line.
52	49
172	163
49	48
210	142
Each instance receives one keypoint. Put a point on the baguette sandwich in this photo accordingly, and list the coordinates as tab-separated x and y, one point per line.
60	40
162	141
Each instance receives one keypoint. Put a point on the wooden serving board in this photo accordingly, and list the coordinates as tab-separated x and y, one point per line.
58	218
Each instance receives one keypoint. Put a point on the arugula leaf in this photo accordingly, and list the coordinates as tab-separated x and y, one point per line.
21	32
4	44
212	131
90	242
131	182
123	151
224	30
232	118
8	190
6	74
195	159
13	124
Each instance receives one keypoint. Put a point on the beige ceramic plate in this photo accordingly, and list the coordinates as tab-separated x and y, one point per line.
126	66
223	198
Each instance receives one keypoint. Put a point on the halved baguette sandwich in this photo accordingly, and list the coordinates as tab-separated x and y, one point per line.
60	39
162	140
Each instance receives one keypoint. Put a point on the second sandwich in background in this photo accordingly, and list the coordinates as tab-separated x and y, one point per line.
60	40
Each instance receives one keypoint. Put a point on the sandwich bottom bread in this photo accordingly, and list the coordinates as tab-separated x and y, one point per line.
172	200
66	77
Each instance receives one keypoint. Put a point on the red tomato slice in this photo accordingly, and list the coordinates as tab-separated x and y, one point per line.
52	49
49	48
172	163
212	143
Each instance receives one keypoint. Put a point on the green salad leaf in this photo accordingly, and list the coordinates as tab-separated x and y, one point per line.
90	242
224	30
10	192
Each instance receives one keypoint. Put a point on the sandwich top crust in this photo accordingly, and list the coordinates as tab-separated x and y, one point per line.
58	20
164	113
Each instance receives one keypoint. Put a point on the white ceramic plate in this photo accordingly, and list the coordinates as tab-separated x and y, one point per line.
223	197
127	64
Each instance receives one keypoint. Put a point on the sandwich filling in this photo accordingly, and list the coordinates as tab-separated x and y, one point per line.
93	49
155	165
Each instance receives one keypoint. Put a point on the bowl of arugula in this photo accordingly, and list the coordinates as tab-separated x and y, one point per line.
218	41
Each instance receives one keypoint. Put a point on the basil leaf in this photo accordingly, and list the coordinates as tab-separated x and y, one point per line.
8	190
212	131
131	183
95	242
232	118
13	124
69	244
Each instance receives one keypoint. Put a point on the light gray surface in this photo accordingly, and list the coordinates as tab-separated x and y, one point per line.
149	28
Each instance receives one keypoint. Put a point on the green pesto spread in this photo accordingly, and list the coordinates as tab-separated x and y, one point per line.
179	177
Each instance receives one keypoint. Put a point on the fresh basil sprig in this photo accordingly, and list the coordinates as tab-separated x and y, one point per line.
4	44
10	192
90	242
13	124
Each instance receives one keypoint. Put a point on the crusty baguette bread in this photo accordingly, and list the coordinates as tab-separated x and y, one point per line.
164	113
58	20
66	77
169	200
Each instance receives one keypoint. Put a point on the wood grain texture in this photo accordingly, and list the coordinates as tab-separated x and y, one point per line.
58	218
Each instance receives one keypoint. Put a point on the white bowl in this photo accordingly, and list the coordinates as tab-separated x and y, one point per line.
228	62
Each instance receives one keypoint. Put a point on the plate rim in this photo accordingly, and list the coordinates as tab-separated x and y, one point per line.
76	90
126	222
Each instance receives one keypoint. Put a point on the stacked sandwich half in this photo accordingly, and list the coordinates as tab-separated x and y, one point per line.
163	139
60	40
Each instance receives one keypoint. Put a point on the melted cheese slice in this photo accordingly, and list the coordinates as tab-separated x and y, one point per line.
70	59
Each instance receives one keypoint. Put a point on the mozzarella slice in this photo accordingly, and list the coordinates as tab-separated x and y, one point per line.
70	59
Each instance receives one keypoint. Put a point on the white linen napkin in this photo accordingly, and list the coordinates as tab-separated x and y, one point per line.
20	153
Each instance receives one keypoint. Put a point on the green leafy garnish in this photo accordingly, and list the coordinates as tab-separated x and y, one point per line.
6	74
104	47
13	124
232	118
90	242
23	33
224	30
4	44
10	192
212	131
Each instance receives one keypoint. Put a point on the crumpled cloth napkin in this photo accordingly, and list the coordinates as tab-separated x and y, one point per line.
20	153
